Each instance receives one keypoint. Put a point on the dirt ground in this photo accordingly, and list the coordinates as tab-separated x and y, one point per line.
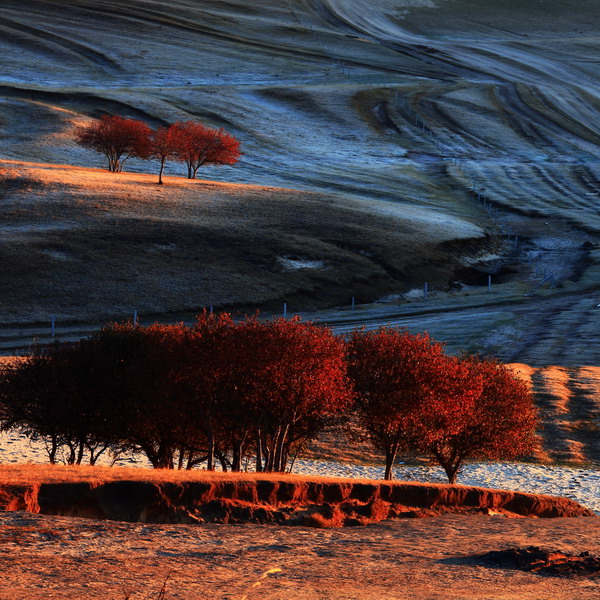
423	559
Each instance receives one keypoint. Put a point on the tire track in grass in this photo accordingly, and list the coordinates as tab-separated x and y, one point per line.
47	42
552	399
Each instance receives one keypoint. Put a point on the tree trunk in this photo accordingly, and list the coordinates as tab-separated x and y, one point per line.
278	463
450	464
162	168
210	461
267	457
181	458
390	459
259	466
190	460
80	452
52	450
94	456
236	459
451	470
222	459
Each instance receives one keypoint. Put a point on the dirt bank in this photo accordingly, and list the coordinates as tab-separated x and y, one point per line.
267	500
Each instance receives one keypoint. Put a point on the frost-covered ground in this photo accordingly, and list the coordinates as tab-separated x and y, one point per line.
579	484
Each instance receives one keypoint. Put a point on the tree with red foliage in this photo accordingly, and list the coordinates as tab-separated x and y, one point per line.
397	376
58	394
498	423
200	145
165	143
281	383
202	373
305	388
117	138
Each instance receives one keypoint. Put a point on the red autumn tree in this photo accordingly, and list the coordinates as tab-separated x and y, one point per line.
131	373
202	373
281	382
117	138
498	423
396	376
200	145
59	394
164	144
303	390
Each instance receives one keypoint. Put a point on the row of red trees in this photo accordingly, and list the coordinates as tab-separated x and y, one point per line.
187	142
227	391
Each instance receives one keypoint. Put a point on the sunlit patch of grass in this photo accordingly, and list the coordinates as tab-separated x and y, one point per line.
30	474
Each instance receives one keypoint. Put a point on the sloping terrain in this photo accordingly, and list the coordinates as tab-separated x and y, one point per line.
87	245
482	114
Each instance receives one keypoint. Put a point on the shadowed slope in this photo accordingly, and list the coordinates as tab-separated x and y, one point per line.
96	246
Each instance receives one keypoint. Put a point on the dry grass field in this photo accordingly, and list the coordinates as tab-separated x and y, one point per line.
441	556
88	245
61	558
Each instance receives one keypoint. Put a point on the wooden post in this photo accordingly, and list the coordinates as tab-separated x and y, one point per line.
353	302
53	322
285	310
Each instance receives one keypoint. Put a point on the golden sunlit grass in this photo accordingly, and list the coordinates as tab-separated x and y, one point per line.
34	474
555	383
30	474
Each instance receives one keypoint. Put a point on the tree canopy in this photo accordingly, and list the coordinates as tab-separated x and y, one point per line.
188	142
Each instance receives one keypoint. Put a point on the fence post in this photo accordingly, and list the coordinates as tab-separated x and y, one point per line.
53	322
285	310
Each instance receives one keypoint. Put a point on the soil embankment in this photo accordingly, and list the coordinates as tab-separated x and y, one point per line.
267	500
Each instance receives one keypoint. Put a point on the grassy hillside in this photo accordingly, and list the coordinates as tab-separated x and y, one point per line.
385	128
